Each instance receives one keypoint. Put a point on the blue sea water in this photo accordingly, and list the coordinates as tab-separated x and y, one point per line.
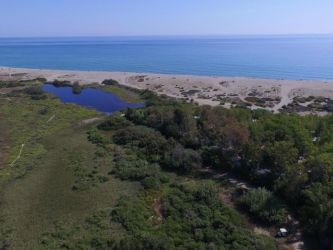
287	57
91	98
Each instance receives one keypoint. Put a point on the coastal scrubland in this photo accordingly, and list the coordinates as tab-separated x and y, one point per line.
171	175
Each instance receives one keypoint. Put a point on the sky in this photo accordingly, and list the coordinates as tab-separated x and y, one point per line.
49	18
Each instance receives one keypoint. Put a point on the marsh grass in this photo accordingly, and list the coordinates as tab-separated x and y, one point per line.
125	94
37	194
27	124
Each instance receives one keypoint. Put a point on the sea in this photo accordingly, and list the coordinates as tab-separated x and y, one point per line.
278	57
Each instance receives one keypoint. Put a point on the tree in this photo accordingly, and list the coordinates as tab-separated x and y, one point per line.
279	155
185	160
317	211
321	168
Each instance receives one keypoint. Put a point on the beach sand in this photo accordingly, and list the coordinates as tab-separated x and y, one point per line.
201	89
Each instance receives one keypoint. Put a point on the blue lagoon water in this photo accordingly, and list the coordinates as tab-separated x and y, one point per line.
288	57
91	98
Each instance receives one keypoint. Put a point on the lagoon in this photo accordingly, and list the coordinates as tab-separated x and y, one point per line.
91	98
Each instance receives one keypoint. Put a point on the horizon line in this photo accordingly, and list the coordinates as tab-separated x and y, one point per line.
171	35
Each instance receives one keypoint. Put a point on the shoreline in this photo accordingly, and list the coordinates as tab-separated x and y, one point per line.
6	69
271	94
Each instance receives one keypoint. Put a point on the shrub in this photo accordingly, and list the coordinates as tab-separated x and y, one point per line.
36	93
110	82
185	160
151	183
134	169
10	84
145	140
113	123
265	206
97	138
58	83
43	111
76	89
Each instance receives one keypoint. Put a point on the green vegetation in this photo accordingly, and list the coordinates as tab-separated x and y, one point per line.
11	84
110	82
21	83
27	121
262	204
76	88
60	185
290	155
58	83
126	93
190	218
171	213
135	180
114	123
35	92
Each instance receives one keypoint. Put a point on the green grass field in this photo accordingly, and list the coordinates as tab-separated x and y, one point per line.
57	180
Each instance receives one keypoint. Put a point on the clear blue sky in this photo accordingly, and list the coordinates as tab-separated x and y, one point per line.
163	17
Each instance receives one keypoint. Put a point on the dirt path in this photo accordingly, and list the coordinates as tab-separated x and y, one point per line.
51	118
91	121
18	156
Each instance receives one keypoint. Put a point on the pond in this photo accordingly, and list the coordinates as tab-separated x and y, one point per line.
91	98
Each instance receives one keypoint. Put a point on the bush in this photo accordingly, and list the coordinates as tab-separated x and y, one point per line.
265	206
97	138
151	183
43	111
110	82
144	140
113	123
35	92
164	178
58	83
76	89
185	160
10	84
130	167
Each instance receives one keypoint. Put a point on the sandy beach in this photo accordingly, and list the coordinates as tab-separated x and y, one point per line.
272	94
